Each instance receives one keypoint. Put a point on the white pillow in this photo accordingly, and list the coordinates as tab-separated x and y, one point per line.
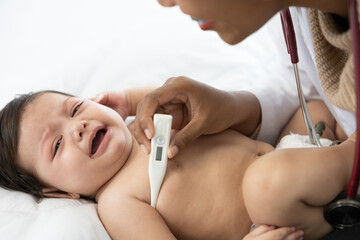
21	217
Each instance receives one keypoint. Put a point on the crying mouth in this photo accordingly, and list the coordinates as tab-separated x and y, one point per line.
97	140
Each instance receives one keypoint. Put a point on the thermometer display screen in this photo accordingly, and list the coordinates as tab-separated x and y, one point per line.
158	153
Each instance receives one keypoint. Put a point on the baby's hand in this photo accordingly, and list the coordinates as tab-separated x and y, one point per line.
264	232
115	100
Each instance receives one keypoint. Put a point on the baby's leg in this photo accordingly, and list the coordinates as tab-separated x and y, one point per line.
318	112
290	187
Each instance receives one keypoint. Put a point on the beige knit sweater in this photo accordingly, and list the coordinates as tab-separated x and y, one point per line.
332	44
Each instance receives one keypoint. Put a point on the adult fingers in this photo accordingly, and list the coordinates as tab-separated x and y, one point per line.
142	133
185	136
144	127
154	100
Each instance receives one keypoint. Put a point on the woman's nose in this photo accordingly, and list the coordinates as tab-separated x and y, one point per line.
168	3
78	129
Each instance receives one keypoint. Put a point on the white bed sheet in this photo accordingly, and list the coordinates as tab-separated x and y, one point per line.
87	46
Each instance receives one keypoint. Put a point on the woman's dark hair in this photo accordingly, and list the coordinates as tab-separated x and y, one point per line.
12	176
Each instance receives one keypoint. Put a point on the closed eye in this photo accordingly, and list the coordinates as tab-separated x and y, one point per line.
76	109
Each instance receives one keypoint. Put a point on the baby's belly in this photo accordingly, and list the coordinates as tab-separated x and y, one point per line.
201	198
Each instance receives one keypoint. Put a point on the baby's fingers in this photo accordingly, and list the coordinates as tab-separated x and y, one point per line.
261	230
99	98
296	235
285	233
264	232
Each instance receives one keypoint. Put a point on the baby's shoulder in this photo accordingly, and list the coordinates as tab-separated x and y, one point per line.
128	185
115	203
109	199
117	210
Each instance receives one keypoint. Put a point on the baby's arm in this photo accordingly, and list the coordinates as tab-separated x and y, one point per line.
124	101
264	232
129	218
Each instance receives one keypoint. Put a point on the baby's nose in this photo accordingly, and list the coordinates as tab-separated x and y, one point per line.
78	129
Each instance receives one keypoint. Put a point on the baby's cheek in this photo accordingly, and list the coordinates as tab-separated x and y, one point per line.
73	162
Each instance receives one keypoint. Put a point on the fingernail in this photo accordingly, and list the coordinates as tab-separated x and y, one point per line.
292	229
147	133
143	148
173	151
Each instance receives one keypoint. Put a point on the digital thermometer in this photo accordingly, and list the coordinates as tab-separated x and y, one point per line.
158	155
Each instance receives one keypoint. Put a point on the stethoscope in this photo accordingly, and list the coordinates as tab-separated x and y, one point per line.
344	212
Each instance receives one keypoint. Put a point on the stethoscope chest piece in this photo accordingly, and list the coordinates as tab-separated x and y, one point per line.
343	213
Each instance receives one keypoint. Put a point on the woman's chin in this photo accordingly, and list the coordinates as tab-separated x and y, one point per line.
230	38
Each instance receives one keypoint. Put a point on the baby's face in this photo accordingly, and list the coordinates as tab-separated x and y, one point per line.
72	144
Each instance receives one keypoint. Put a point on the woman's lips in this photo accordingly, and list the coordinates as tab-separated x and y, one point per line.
205	24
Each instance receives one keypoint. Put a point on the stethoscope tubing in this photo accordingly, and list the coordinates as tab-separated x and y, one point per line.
290	39
355	32
314	138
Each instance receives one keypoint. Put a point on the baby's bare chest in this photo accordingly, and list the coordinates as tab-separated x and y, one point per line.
202	193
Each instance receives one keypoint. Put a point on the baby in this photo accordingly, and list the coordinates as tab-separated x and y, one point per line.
57	145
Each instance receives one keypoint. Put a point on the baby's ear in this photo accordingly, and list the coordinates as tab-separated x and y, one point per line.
56	193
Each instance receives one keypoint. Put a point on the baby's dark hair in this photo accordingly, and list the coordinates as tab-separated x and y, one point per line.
12	176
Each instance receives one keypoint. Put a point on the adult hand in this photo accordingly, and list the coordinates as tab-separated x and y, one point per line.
115	100
197	109
264	232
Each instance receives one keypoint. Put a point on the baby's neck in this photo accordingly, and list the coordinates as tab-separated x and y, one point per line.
136	156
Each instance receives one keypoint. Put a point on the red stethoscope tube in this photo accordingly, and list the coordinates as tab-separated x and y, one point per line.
354	24
289	35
